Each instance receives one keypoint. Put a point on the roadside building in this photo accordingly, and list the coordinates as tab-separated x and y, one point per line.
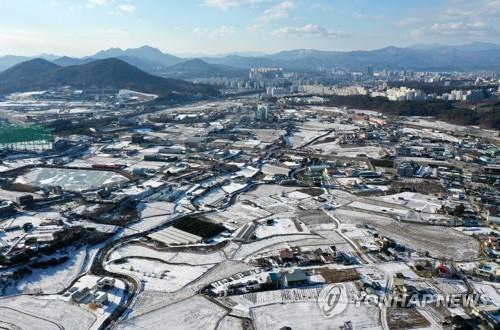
295	278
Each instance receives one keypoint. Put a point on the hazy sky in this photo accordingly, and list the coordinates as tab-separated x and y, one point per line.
82	27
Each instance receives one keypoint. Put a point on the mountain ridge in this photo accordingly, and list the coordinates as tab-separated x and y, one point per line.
40	74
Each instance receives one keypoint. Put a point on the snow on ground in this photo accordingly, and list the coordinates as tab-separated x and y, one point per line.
360	236
273	169
304	136
319	124
437	240
297	195
115	296
232	187
427	133
240	212
190	314
272	204
70	179
13	195
35	218
53	279
212	197
13	163
246	250
154	209
65	315
265	190
307	315
13	319
149	301
266	135
278	227
333	236
230	323
450	286
136	250
471	231
491	291
378	208
250	300
199	258
339	150
436	124
159	276
391	268
149	223
352	231
4	168
415	201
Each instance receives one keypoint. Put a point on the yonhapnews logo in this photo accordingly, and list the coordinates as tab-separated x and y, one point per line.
332	300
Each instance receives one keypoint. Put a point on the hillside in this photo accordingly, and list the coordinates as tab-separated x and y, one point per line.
40	74
197	68
24	74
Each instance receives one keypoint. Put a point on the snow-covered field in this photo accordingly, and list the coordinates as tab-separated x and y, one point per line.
378	208
65	315
304	136
190	314
230	323
212	197
14	319
278	227
427	133
71	180
491	291
159	276
136	250
438	241
240	212
232	187
154	209
307	315
255	299
415	201
266	135
149	223
274	169
436	124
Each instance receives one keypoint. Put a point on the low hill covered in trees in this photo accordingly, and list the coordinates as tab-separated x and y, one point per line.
442	110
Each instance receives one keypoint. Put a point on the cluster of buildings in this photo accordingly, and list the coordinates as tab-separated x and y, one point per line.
403	94
96	295
333	90
465	95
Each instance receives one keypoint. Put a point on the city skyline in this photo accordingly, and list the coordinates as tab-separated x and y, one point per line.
226	26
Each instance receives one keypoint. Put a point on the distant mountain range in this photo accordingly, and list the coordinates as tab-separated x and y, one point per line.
472	47
40	74
425	57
